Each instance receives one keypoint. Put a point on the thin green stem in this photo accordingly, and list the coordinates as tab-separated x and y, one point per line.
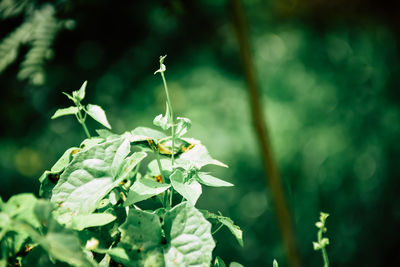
323	249
172	117
81	119
159	163
216	230
85	129
165	199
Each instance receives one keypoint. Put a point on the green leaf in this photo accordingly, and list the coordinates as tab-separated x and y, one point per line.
197	157
50	178
128	164
90	142
118	254
122	152
60	243
235	264
69	96
189	189
97	113
235	230
65	247
188	233
275	263
182	126
143	189
143	133
153	169
141	230
165	122
64	160
88	178
21	207
80	94
162	66
219	262
64	112
104	133
209	180
81	222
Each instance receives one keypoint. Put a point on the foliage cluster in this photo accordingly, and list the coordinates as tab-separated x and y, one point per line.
90	214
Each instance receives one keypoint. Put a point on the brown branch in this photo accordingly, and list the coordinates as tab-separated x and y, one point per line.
273	178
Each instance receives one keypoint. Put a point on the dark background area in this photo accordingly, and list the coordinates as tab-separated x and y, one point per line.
329	78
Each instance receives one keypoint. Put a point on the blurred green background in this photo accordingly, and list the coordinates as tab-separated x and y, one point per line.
329	78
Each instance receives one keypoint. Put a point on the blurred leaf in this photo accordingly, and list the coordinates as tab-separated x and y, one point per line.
219	262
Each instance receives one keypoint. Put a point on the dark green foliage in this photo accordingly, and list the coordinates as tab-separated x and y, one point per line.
38	30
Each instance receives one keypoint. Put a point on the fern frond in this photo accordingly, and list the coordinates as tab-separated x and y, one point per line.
11	8
45	29
10	45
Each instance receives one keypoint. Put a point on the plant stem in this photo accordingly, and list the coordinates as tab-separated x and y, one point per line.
323	249
216	230
172	117
85	129
81	119
165	200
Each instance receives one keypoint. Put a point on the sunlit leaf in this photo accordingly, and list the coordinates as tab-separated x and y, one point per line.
97	113
165	122
80	94
82	221
87	179
141	230
210	180
182	126
189	238
143	189
190	189
197	156
64	112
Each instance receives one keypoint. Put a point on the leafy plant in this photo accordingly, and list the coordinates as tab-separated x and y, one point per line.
92	210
